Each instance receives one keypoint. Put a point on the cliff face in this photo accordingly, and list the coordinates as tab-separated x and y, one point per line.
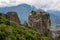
13	17
39	20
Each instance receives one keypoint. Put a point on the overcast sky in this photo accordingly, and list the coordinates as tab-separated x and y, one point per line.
44	4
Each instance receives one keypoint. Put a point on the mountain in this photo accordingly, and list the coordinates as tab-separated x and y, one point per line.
41	10
55	17
22	10
10	30
54	12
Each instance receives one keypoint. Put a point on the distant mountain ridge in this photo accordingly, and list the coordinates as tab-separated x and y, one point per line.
23	11
55	17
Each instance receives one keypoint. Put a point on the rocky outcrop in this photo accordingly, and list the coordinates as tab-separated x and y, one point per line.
13	17
39	20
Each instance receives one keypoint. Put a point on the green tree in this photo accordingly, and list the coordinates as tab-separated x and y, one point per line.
46	33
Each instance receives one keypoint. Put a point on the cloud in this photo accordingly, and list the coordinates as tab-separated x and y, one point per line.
44	4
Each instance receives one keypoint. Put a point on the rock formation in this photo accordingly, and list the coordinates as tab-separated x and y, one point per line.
13	17
25	24
39	20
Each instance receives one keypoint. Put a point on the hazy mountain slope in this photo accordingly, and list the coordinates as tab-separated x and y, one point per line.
55	17
22	10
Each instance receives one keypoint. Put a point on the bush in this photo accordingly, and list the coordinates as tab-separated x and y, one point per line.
7	22
46	33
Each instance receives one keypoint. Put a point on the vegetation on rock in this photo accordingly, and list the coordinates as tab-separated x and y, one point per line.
10	30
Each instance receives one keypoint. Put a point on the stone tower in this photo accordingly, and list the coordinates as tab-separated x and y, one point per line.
39	20
13	17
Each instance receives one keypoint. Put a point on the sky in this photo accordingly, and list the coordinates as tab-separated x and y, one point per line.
44	4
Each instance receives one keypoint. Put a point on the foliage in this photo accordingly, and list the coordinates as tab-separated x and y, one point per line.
46	33
12	31
58	38
45	38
